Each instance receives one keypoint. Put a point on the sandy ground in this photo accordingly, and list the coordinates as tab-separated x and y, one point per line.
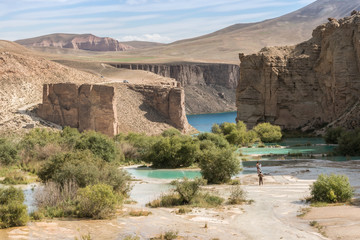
273	215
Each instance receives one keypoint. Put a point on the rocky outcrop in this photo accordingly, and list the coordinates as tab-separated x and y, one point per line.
209	87
76	41
101	107
305	86
86	107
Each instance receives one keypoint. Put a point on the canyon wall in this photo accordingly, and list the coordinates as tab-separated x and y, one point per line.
104	108
305	86
86	107
209	87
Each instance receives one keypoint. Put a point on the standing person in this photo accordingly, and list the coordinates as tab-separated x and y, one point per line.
259	172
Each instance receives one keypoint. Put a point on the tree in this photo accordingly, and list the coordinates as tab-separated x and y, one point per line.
99	144
268	133
218	165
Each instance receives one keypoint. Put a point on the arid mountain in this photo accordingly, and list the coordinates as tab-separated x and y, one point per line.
76	41
290	29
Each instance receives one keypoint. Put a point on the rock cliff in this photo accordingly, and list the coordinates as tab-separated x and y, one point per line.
76	41
209	87
308	85
112	108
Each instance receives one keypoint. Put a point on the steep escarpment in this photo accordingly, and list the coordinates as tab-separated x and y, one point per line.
208	87
76	41
308	85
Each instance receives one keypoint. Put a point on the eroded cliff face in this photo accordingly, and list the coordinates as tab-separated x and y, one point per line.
208	87
116	107
308	85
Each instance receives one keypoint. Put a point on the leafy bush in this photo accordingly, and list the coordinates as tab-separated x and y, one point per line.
206	200
85	169
218	165
332	135
166	200
173	152
15	177
39	136
99	144
171	132
80	166
236	134
218	140
268	133
12	210
188	189
97	201
8	153
333	188
349	143
237	195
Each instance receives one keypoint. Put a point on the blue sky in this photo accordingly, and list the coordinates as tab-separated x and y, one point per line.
149	20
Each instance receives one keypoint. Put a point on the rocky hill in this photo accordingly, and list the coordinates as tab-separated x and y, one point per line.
23	73
76	41
306	86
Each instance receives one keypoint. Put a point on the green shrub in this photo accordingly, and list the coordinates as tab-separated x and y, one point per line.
188	189
85	169
173	152
80	166
218	140
237	195
171	132
97	201
268	133
218	165
349	143
332	135
15	177
206	200
70	136
99	144
8	153
39	136
166	200
333	188
12	210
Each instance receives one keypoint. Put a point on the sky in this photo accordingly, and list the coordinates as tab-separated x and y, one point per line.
126	20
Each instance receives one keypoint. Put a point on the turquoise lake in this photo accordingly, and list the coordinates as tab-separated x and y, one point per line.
204	122
284	152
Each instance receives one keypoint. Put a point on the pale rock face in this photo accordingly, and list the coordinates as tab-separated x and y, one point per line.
307	85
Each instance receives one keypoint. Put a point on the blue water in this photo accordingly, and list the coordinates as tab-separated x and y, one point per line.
204	122
162	173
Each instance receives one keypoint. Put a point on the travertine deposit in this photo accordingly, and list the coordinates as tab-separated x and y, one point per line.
308	85
102	107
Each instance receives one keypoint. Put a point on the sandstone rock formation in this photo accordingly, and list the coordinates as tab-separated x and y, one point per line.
308	85
209	87
76	41
101	107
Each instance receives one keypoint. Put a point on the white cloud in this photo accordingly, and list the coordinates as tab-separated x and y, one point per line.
155	37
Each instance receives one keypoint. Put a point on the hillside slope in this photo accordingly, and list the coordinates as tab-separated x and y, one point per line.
290	29
23	73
